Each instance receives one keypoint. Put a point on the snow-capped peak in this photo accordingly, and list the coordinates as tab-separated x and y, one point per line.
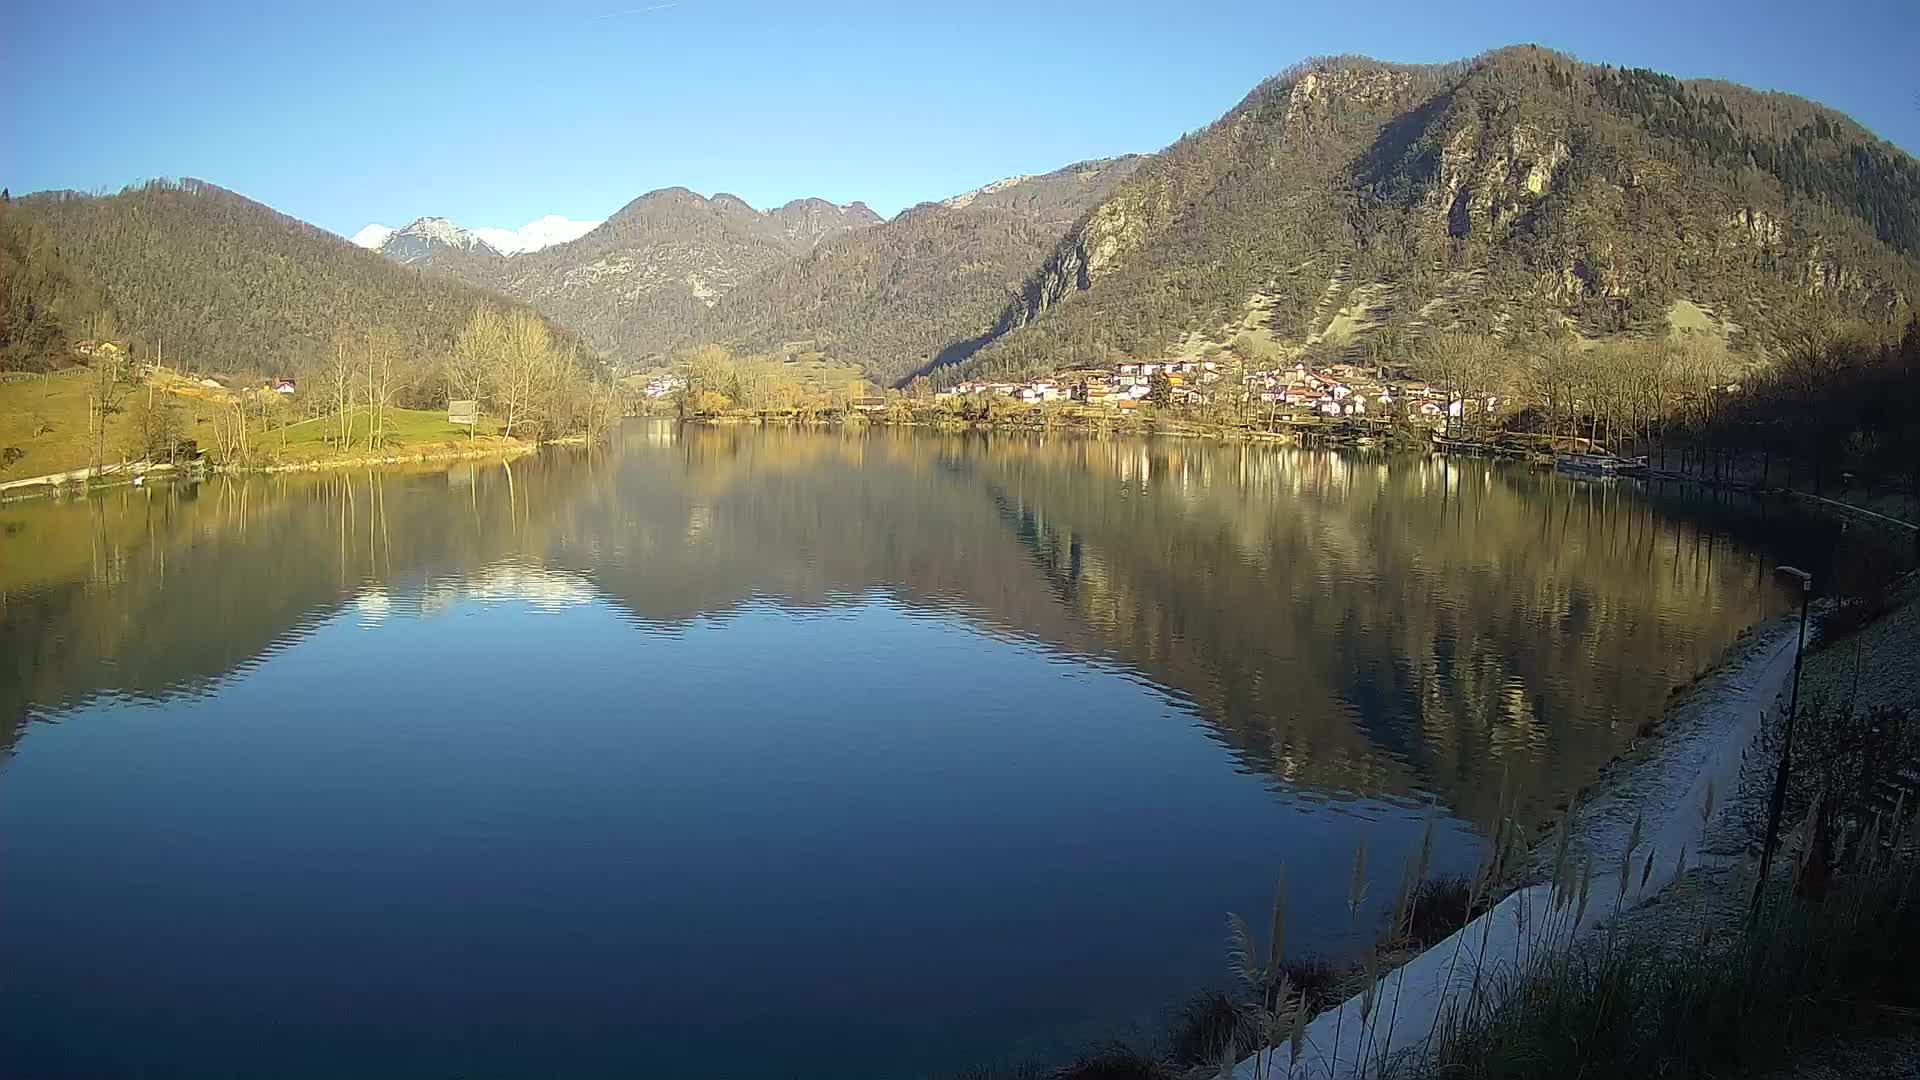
372	236
536	234
412	241
423	239
441	230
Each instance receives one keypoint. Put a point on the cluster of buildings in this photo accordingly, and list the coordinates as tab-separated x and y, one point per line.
660	386
1125	385
1336	390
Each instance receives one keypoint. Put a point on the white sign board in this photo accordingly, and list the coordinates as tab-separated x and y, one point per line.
465	413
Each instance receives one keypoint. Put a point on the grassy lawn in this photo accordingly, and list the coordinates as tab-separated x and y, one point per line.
45	419
408	431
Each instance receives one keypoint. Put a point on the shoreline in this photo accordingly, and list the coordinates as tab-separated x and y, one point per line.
1698	744
1332	434
52	485
1094	424
323	464
1691	718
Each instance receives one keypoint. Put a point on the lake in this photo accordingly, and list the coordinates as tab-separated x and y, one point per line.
741	752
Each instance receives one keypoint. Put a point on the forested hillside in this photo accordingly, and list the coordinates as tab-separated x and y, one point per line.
1351	204
44	304
229	285
890	298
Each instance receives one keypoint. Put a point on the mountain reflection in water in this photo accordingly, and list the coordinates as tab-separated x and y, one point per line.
971	740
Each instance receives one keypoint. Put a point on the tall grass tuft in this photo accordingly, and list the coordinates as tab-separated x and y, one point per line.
1113	1063
1210	1025
1316	980
1441	905
1639	1010
1817	960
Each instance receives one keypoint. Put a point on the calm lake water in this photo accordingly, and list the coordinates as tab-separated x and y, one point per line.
809	754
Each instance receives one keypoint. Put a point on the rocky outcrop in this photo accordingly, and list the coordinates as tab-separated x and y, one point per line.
1489	176
806	222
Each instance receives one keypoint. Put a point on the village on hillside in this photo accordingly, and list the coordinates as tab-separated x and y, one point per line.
1334	390
1297	392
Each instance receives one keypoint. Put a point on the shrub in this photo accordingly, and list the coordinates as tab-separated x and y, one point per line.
1114	1062
1207	1027
1842	757
1318	979
1440	906
1849	615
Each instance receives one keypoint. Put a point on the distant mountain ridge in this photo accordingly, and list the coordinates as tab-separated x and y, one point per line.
634	283
417	239
893	297
663	272
427	239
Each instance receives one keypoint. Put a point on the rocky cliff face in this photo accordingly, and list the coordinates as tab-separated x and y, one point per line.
1489	175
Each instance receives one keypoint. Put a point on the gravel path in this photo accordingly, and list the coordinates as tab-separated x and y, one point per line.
1703	732
1876	1057
1880	665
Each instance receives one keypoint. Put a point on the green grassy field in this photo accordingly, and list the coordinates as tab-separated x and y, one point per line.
45	421
407	431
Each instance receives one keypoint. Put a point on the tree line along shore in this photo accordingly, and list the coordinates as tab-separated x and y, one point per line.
1837	415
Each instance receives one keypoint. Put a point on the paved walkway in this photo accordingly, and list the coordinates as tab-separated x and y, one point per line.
1473	964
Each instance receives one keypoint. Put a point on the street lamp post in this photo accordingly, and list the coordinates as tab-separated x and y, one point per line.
1778	805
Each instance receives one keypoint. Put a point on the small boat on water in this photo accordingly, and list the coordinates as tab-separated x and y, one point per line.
1599	464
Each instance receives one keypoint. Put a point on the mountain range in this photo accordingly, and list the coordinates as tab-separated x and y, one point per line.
632	283
1345	206
674	267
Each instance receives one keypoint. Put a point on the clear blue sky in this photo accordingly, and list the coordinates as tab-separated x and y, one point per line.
493	114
